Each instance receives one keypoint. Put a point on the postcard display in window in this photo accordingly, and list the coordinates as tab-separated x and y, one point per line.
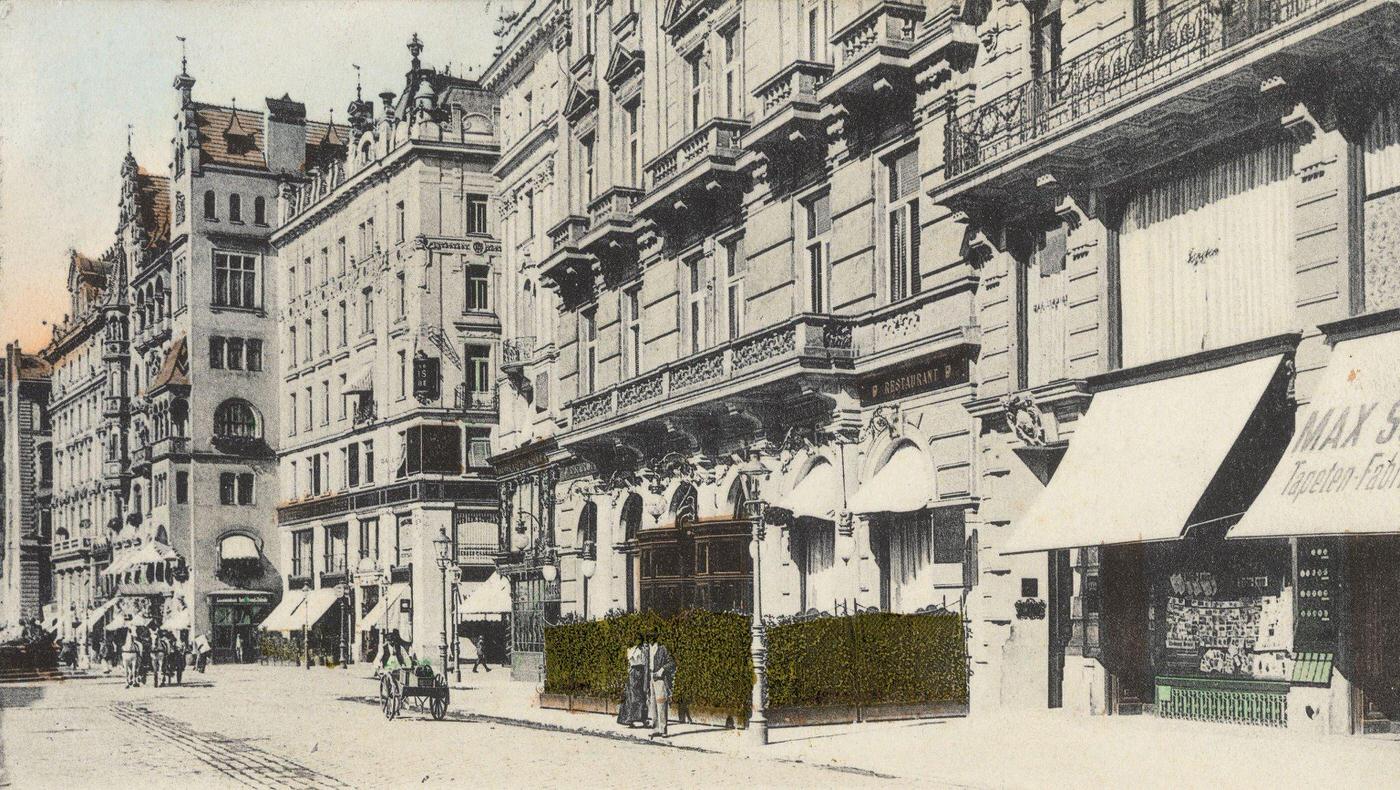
1225	611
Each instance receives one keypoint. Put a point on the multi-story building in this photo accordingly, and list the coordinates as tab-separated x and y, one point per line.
719	252
1181	219
26	474
86	412
389	270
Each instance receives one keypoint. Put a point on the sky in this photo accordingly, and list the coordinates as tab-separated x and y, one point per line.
77	73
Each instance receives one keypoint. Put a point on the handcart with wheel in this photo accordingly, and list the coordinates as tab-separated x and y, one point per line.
420	685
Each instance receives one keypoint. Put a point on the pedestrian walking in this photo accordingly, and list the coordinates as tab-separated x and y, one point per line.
479	644
239	652
663	674
158	655
634	694
202	651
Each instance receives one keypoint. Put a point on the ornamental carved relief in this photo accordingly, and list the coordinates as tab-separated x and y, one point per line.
1023	418
699	371
637	392
899	325
764	348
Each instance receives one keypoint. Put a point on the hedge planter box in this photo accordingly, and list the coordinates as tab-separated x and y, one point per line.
809	715
921	710
554	701
696	714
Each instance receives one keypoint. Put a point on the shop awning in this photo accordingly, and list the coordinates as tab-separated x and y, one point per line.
379	613
238	547
904	484
123	622
362	382
816	495
1141	459
98	614
1341	473
491	598
300	609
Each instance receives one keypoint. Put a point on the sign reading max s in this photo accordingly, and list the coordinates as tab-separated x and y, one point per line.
1328	427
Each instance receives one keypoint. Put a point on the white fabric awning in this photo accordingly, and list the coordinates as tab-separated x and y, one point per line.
97	614
238	547
816	495
300	609
363	381
492	597
378	613
903	485
1341	474
1141	459
135	621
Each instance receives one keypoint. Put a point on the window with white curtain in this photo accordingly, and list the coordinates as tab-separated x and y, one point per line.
1205	256
902	215
1382	164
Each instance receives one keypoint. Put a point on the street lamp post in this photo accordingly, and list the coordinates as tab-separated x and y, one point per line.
344	590
753	474
306	624
443	544
456	618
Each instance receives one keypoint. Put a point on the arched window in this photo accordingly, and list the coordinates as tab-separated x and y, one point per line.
631	516
235	207
236	418
685	504
259	210
211	211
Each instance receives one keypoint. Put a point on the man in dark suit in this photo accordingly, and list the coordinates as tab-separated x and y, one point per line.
663	675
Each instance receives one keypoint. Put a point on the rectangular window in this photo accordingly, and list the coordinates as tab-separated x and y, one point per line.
479	452
306	275
732	98
903	220
228	488
325	402
216	353
253	348
399	223
336	548
476	214
245	488
364	242
369	461
478	369
292	411
696	70
634	143
478	285
342	257
343	323
403	373
292	344
352	465
734	266
632	331
949	535
343	399
325	331
818	265
402	295
325	270
308	342
588	350
181	289
236	281
306	425
234	351
816	34
316	474
695	303
587	186
369	538
529	214
369	234
301	552
182	488
366	311
235	207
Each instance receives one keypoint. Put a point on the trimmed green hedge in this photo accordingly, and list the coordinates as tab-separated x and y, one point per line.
273	646
864	659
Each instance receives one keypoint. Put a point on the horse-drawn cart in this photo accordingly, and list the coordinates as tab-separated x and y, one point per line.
420	685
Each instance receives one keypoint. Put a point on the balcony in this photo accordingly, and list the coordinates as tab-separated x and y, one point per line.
298	579
567	263
141	459
365	412
176	448
113	406
611	221
805	341
476	553
474	400
874	53
516	353
695	174
789	109
71	547
1197	72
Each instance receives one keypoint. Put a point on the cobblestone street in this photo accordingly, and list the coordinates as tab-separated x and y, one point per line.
276	727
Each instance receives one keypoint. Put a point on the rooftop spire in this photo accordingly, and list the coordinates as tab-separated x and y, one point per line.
415	48
358	97
184	62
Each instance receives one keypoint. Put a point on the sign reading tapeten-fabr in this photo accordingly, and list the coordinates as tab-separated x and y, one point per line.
1341	473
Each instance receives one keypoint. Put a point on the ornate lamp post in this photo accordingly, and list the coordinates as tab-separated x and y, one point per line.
306	623
456	618
344	590
753	473
587	567
443	545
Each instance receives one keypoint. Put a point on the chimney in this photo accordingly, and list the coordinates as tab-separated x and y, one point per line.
284	134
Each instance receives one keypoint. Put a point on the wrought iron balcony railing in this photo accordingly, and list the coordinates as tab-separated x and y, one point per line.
473	400
517	351
476	552
1161	48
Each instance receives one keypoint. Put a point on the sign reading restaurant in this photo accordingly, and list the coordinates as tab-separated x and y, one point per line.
925	374
1341	473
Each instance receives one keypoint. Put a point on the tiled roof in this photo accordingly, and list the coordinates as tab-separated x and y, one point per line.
235	137
94	268
153	207
174	371
217	147
32	367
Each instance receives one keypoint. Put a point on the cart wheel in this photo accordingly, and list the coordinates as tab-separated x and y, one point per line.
389	696
440	700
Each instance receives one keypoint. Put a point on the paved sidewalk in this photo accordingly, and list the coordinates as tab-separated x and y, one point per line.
1033	749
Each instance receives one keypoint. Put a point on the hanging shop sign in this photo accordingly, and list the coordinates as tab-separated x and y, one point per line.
427	377
926	374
